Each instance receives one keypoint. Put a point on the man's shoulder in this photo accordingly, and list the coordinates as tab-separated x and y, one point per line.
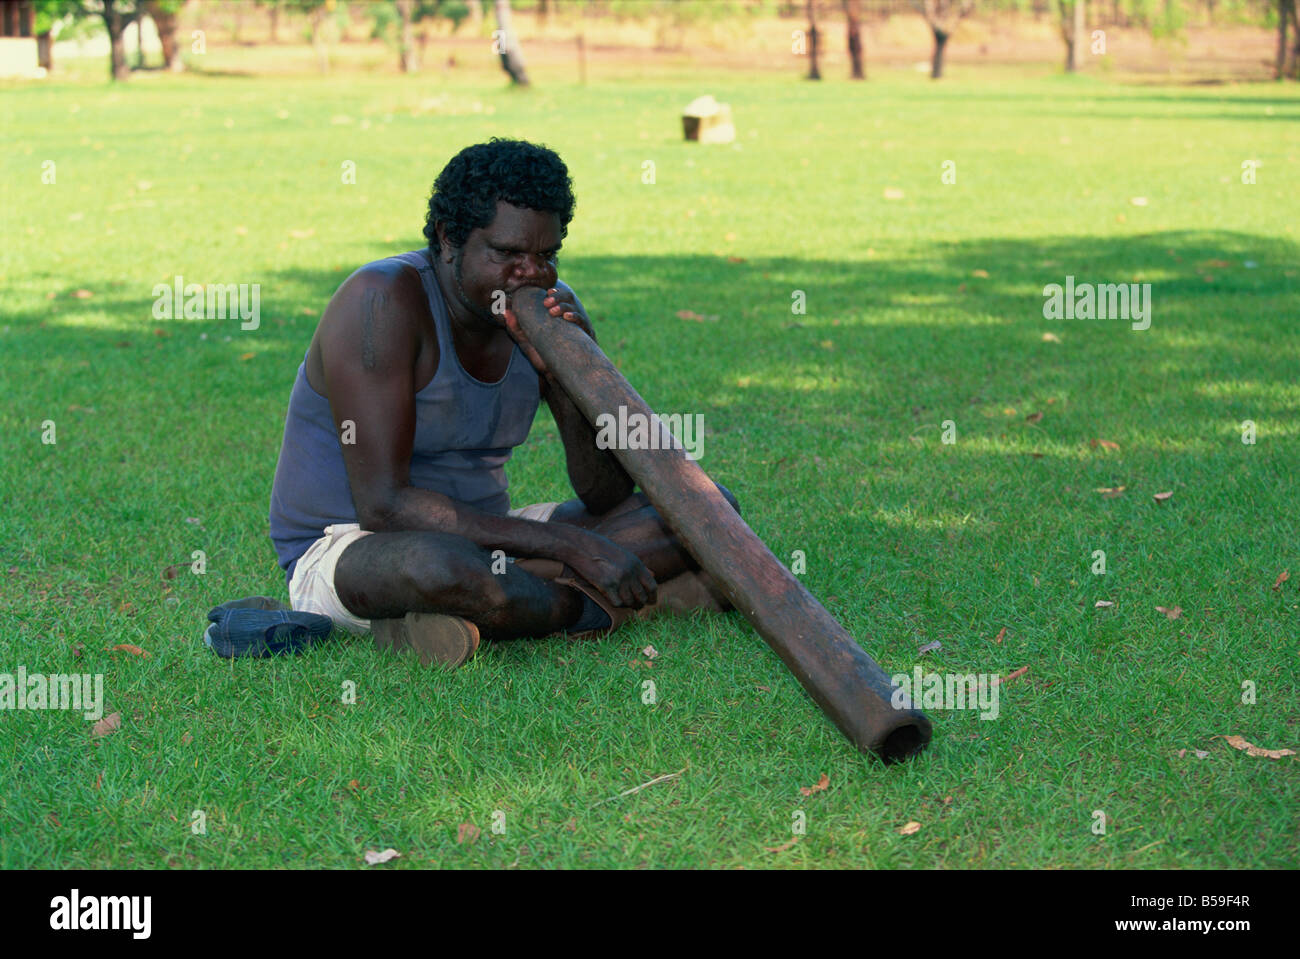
396	275
391	285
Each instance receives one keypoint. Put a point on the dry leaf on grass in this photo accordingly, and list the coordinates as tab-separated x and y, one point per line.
1051	338
1282	577
649	652
82	294
909	829
1110	492
128	648
1010	677
1000	636
374	858
1161	497
1236	742
982	274
466	833
1102	604
1033	417
816	787
929	647
697	317
1173	613
1104	444
108	724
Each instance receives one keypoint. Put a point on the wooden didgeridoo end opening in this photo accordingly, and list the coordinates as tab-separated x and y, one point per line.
849	686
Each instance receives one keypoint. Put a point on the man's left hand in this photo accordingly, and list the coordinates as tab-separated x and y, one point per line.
559	303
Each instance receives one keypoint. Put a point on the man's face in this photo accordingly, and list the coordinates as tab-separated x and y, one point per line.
518	248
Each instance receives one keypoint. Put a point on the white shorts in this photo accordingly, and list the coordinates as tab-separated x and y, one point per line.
312	588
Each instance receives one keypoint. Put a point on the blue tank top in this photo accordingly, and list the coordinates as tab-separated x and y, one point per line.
465	431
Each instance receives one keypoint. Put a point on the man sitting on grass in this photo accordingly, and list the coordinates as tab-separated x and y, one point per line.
389	511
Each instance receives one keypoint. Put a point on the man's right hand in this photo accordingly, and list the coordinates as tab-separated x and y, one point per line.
618	573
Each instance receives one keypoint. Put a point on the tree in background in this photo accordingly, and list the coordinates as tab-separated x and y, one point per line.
507	44
1288	60
408	58
164	14
942	16
813	72
117	16
46	16
318	12
404	25
1073	30
853	27
273	8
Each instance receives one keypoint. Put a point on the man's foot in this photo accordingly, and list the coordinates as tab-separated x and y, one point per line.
437	639
684	594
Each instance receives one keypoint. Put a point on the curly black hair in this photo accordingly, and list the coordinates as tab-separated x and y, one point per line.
524	174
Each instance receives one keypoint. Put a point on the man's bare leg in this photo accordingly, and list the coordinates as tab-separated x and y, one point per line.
387	575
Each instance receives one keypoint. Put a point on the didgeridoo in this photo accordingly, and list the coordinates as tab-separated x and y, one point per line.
845	682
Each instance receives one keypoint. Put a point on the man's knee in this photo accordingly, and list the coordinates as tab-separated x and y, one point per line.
451	575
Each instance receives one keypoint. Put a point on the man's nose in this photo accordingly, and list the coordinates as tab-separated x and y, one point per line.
535	270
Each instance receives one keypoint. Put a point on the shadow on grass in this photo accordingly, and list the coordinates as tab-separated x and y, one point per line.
848	393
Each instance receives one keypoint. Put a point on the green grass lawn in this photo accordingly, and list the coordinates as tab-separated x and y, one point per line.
924	305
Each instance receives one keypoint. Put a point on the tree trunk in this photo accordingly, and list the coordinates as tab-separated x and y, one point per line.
117	65
166	24
410	64
813	72
936	61
1283	21
1073	32
317	41
854	28
45	50
512	58
543	10
139	43
1295	40
1080	29
275	22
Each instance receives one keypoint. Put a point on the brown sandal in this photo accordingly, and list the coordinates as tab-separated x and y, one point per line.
437	639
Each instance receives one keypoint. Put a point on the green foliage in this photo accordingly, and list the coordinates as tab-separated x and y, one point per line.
388	21
46	13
